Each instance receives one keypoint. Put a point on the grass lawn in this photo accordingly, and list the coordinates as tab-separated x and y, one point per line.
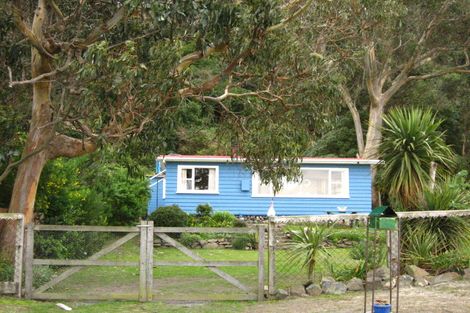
196	283
170	282
12	305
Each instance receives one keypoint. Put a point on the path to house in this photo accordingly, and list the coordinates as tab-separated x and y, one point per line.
446	298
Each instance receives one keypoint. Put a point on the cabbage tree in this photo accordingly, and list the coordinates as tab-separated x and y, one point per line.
412	141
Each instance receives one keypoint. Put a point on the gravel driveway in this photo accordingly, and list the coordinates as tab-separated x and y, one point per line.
445	298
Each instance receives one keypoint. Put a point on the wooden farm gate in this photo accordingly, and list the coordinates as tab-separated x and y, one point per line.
143	260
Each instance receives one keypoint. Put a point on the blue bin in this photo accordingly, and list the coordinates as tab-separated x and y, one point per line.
382	308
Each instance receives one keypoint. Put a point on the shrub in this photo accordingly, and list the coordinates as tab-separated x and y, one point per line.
6	269
222	219
358	252
189	240
419	246
352	234
436	244
203	210
169	216
241	242
450	261
75	192
69	245
343	272
239	223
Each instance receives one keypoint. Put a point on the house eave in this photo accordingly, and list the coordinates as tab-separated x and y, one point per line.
228	159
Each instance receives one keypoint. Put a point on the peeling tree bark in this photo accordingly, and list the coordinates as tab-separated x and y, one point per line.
356	118
41	133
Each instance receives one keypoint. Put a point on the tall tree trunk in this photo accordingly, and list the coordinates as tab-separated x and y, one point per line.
345	94
373	140
40	133
374	130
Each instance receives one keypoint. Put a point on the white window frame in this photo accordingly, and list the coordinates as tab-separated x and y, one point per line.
345	183
180	185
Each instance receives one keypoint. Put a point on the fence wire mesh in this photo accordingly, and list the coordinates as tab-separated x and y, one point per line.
309	252
11	256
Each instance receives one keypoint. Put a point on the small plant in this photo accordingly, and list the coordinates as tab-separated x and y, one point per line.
451	261
241	242
239	223
352	234
169	216
222	219
346	272
358	252
307	244
190	240
420	245
41	275
203	210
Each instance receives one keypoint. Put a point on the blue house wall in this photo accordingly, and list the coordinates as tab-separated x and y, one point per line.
232	198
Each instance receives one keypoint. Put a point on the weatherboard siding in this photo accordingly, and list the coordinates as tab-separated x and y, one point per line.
231	197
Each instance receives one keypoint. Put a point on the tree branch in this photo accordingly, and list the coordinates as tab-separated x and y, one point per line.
287	20
345	94
105	27
39	77
65	146
463	69
189	59
11	165
28	33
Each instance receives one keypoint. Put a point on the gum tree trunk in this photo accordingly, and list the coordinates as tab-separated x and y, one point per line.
42	144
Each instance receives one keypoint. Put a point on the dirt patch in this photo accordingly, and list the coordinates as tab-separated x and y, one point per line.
446	298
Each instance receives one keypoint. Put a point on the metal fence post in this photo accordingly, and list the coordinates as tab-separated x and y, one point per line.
29	255
261	241
271	256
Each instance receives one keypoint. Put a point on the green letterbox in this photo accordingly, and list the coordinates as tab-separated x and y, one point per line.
384	218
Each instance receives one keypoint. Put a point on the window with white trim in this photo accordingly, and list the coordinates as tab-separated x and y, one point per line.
315	183
198	179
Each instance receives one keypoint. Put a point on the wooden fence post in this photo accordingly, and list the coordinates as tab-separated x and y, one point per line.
18	277
142	261
271	256
149	261
261	240
29	255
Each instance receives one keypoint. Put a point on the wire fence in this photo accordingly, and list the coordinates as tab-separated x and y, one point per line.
313	250
309	252
11	256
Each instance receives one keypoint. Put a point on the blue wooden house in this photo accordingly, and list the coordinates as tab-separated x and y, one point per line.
328	185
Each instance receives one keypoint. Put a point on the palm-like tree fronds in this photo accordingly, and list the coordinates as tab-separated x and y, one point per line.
411	142
307	243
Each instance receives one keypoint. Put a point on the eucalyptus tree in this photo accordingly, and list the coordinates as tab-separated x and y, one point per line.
102	72
378	47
